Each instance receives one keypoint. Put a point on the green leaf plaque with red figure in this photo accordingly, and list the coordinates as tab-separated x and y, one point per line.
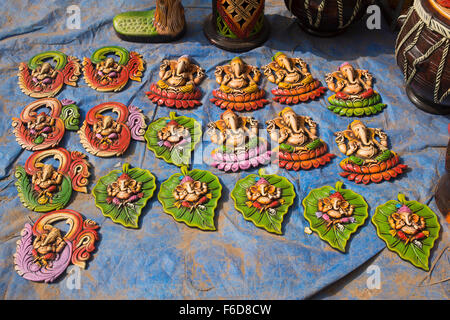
335	214
122	194
264	199
409	228
191	197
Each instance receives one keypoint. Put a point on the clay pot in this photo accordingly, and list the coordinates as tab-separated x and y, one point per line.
326	18
422	54
228	29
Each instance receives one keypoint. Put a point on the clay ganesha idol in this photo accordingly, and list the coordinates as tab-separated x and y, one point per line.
240	146
295	83
409	228
43	188
40	79
264	199
238	87
178	83
191	197
106	136
354	95
368	159
122	194
44	252
299	145
44	130
103	73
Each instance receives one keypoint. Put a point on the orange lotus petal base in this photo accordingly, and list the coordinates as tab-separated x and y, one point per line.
375	172
304	160
297	95
239	102
174	100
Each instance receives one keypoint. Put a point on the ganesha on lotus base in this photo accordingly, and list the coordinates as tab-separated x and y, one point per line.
368	159
295	83
238	87
178	83
299	146
354	95
240	145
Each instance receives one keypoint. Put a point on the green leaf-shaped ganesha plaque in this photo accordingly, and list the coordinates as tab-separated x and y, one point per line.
173	138
122	194
191	197
409	228
264	199
335	214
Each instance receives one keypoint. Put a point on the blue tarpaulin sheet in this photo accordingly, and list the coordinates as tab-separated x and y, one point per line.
164	259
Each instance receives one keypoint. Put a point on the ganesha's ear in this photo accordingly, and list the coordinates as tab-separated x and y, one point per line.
349	134
220	124
253	189
164	129
179	188
271	189
197	184
227	69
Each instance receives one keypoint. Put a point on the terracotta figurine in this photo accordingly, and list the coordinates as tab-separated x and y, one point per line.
178	83
105	74
40	79
368	159
45	130
409	228
106	136
299	144
240	146
191	197
335	210
354	95
44	252
122	194
238	87
264	196
43	188
295	83
191	194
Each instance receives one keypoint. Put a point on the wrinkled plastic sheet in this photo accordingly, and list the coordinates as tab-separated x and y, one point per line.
164	259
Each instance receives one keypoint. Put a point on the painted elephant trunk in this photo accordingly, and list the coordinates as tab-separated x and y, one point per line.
350	76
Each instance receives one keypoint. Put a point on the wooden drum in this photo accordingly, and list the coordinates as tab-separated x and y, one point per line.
422	53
